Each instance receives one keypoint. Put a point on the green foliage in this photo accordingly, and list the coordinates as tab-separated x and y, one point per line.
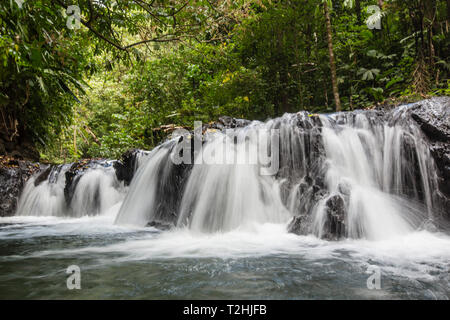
41	66
159	63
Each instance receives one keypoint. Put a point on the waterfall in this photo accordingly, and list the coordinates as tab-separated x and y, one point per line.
362	174
140	205
91	192
370	168
224	196
45	198
359	174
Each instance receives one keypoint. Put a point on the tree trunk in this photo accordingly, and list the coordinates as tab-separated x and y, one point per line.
448	10
334	82
358	10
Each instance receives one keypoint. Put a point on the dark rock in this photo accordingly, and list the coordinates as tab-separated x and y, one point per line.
75	172
161	225
299	225
335	226
433	117
43	176
170	190
127	165
240	123
13	176
226	122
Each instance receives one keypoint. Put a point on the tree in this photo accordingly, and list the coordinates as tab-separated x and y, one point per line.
334	80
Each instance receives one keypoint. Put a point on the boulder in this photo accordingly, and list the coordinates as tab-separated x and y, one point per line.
299	225
433	118
336	211
13	176
127	165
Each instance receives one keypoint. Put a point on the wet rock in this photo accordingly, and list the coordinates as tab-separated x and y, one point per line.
299	225
226	122
13	176
344	188
127	165
335	225
433	117
75	172
170	191
43	176
161	225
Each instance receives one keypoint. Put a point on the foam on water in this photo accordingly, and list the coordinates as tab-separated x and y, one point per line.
95	192
416	255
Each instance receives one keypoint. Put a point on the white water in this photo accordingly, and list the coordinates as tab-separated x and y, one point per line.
230	238
372	165
96	192
368	163
419	255
139	205
47	199
224	197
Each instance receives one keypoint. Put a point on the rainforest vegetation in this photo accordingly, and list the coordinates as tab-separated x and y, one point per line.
93	78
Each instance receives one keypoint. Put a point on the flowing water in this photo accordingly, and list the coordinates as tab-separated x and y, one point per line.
365	181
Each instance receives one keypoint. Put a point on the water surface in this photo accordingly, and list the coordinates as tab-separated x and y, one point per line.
259	262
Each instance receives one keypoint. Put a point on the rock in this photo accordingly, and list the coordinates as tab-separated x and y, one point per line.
433	118
161	225
13	176
299	225
335	226
226	122
126	167
43	176
75	172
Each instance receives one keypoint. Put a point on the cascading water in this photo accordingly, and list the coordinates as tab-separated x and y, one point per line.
344	175
369	170
357	175
45	198
223	197
249	210
90	193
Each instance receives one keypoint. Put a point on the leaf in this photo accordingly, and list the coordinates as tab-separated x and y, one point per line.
41	85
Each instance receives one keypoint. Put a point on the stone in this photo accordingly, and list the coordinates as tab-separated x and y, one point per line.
126	166
336	211
13	176
433	118
161	225
299	225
